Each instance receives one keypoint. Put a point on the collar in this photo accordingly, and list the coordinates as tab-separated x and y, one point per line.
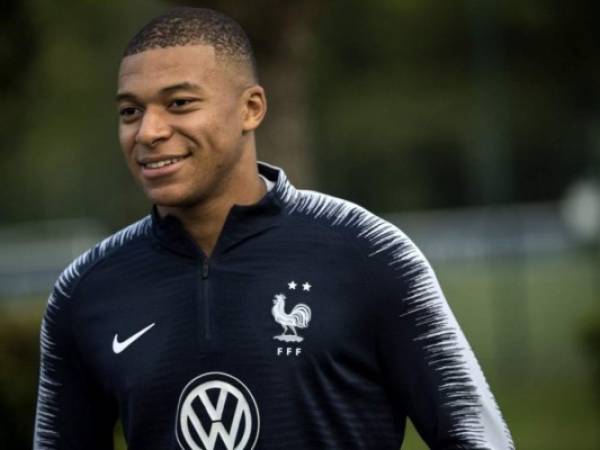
242	222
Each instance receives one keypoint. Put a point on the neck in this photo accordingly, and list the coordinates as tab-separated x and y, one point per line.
205	219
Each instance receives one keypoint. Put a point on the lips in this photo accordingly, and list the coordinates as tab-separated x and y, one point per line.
160	166
157	163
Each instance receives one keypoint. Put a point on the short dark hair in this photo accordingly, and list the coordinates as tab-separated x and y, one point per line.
188	26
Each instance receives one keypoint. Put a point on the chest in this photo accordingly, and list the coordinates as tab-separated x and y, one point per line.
244	313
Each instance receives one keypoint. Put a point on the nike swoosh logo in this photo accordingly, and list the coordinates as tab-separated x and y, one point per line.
118	347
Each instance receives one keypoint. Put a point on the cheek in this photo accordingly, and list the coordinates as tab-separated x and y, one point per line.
226	131
127	139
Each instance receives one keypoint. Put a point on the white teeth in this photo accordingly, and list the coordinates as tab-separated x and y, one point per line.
164	162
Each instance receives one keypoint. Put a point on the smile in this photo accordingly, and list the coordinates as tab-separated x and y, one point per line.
162	162
159	167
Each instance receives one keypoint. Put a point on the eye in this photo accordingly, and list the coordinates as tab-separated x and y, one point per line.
180	103
129	113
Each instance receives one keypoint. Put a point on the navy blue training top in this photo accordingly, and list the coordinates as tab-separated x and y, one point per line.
313	325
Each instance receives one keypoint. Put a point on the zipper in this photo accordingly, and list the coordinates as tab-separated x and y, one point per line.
206	298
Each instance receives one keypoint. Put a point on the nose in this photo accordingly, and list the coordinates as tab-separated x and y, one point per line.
153	129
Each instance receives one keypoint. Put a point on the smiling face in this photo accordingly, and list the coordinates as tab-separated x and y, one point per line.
186	119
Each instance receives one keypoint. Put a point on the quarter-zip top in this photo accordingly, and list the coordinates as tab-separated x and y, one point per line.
314	324
206	299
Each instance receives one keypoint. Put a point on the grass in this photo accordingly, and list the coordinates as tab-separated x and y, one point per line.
543	414
524	322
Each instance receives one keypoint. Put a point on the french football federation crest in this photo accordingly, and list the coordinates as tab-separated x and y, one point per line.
217	411
298	317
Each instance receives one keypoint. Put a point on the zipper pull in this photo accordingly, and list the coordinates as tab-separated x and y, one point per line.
205	269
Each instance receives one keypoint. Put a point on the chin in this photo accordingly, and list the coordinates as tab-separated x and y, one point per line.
166	197
172	198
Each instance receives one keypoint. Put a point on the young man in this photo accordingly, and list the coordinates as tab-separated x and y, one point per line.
243	313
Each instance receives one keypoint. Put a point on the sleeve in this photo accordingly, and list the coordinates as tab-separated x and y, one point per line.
72	410
429	368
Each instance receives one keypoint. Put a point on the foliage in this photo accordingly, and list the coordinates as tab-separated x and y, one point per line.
62	159
19	357
18	378
591	341
445	104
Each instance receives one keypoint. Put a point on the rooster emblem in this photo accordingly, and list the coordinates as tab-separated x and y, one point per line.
298	318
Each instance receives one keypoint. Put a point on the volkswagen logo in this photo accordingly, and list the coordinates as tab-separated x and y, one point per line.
216	411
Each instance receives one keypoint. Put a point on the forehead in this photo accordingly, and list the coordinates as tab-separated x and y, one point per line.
155	67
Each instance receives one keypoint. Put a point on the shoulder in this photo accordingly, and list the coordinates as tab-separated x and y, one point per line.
70	277
378	239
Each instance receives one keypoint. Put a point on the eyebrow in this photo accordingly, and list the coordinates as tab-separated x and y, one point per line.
183	86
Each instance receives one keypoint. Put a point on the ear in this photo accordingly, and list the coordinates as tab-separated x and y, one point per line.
255	107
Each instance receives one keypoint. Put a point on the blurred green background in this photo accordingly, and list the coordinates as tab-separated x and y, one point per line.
474	125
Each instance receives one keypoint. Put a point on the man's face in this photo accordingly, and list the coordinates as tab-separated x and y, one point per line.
182	122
